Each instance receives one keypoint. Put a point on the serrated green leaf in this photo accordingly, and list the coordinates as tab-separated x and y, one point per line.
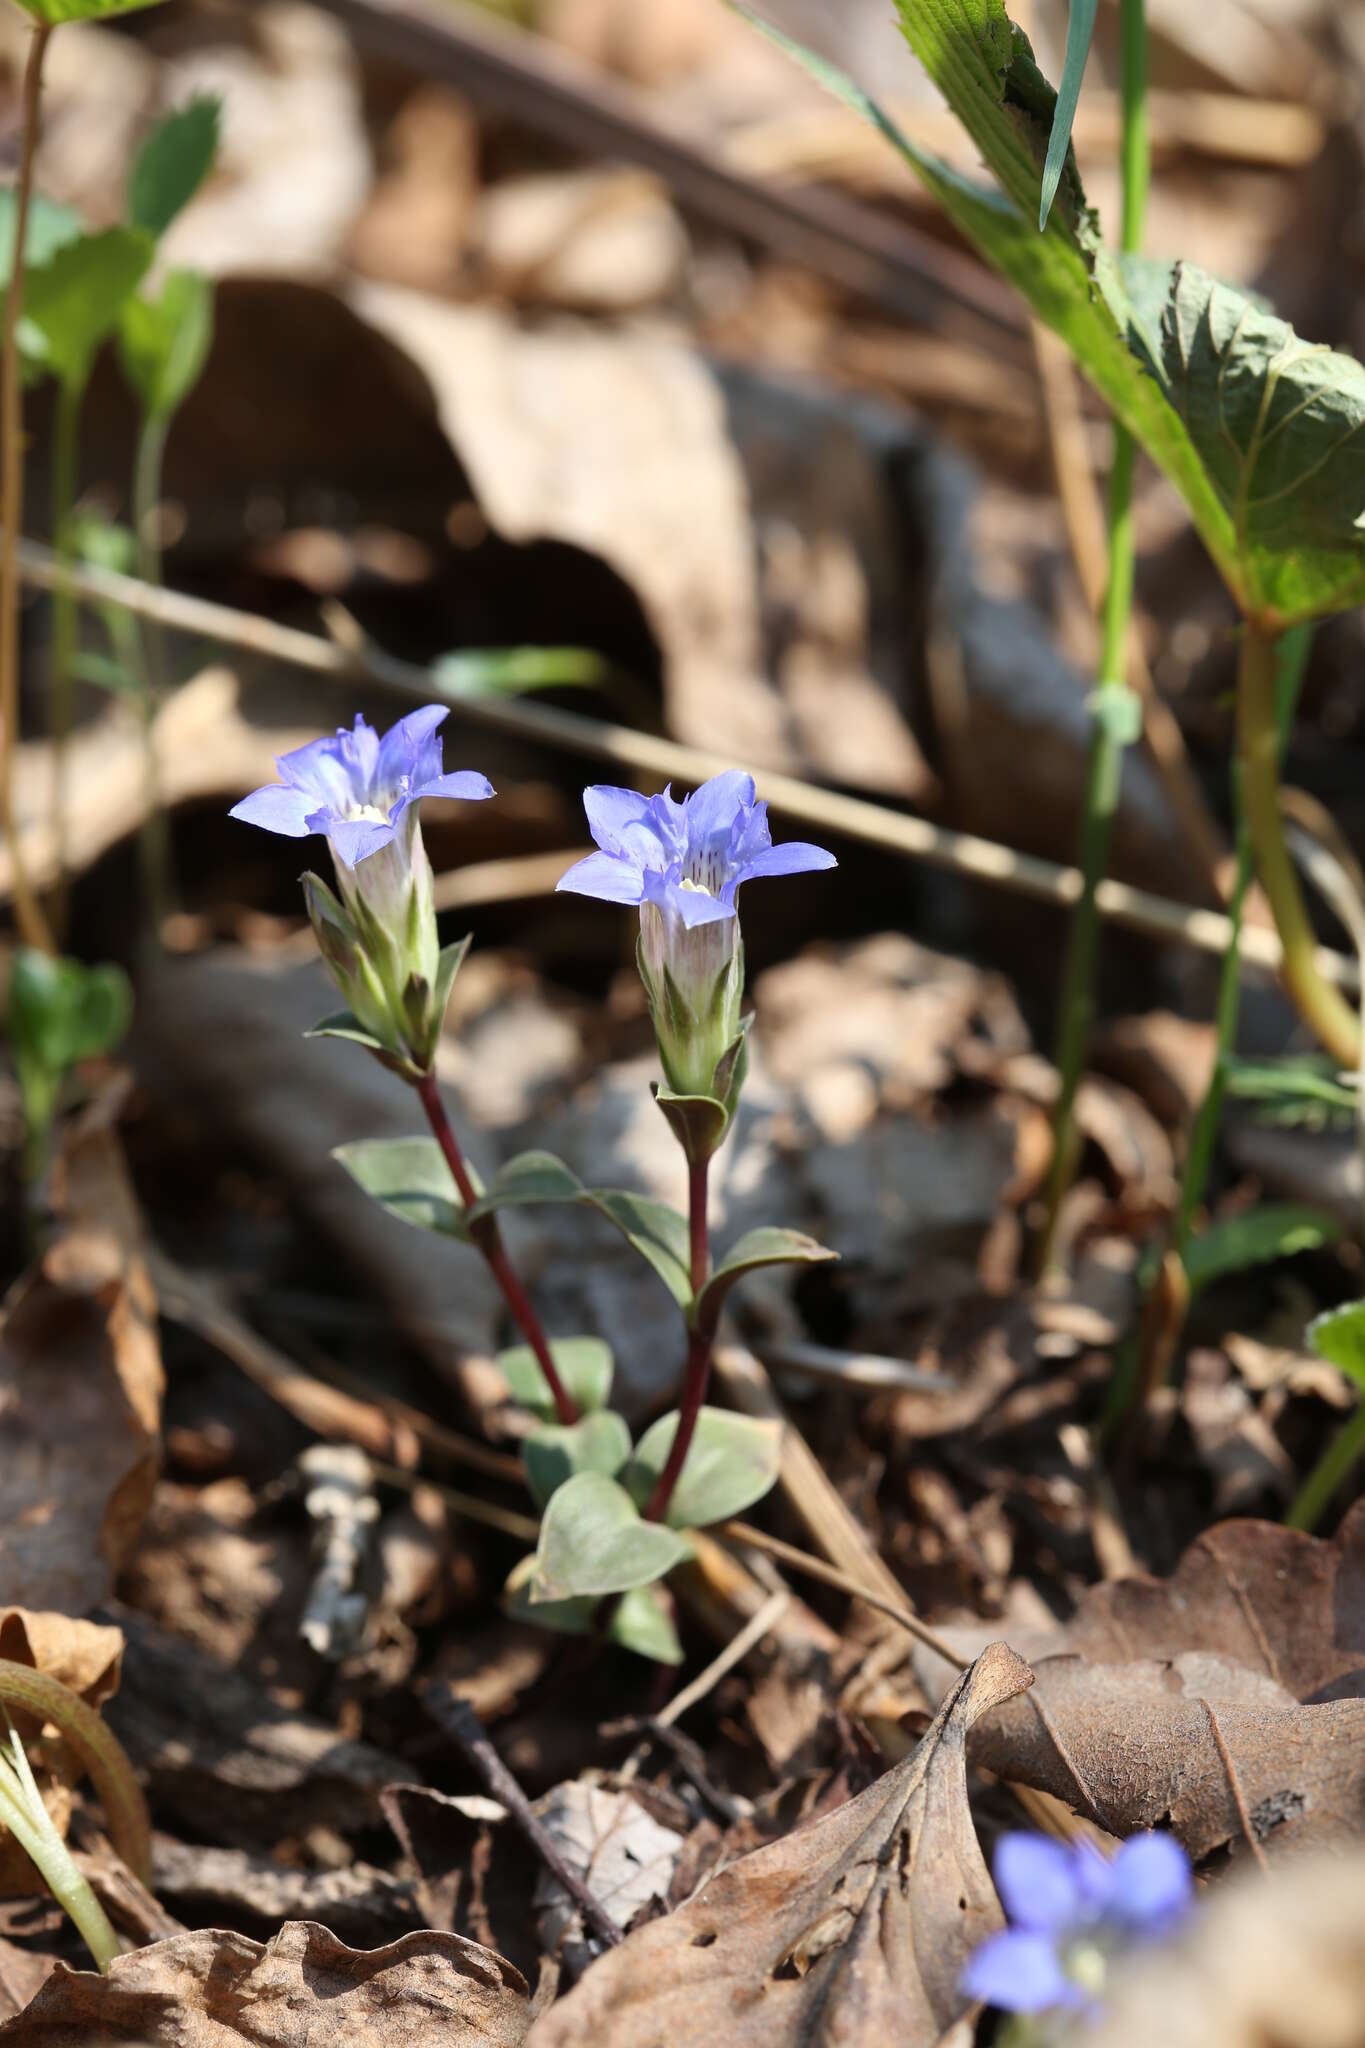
1080	28
732	1461
767	1247
640	1620
409	1178
1339	1337
173	163
72	302
1278	1230
584	1364
50	226
556	1451
657	1232
164	342
592	1541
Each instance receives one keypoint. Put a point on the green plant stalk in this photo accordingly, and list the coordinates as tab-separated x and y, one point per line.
154	847
33	926
23	1813
700	1341
65	457
99	1751
1323	1009
1105	768
1333	1467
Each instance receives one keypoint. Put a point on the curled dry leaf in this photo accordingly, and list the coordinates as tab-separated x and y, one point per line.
1227	1699
80	1390
86	1658
304	1989
1279	1959
854	1928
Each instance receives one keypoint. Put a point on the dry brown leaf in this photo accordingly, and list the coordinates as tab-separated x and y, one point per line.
80	1387
854	1929
1226	1699
1279	1960
304	1989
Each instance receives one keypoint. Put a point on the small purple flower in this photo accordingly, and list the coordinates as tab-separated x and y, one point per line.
1069	1910
357	787
380	941
684	864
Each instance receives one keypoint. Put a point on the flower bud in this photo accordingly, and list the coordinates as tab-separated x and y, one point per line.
694	978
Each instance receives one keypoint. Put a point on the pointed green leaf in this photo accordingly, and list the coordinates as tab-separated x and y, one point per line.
1080	28
657	1232
73	301
173	163
585	1365
640	1620
341	1024
409	1178
592	1541
1339	1337
50	226
767	1247
555	1452
1277	1230
164	342
698	1122
732	1461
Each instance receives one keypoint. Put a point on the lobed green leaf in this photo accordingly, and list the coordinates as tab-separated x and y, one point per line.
72	302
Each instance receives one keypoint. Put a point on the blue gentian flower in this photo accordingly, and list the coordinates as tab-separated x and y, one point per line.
380	941
1070	1909
684	864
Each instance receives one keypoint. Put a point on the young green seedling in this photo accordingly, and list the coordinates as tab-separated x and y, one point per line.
60	1012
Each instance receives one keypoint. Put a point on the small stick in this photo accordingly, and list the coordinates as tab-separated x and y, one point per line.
1235	1786
830	1575
455	1717
753	1631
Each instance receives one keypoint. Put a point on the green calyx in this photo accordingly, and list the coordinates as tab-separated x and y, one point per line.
703	1048
397	997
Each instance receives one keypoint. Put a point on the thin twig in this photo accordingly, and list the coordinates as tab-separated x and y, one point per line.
856	818
830	1575
753	1631
455	1717
1235	1786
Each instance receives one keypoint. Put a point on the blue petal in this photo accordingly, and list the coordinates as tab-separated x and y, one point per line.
1019	1972
465	783
713	809
335	770
793	857
402	747
610	810
1039	1883
355	839
690	906
276	809
605	876
1150	1884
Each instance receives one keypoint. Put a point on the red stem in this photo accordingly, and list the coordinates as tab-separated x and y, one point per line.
488	1238
698	1369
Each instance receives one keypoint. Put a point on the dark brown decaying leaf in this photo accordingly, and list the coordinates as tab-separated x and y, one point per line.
80	1385
853	1929
304	1989
1229	1696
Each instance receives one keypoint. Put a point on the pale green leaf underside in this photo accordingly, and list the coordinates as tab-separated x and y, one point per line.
592	1541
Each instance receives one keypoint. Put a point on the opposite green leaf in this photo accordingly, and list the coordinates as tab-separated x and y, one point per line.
657	1232
732	1461
61	1011
640	1620
1079	30
585	1365
599	1443
173	163
73	301
1278	1230
592	1541
767	1247
1339	1337
164	342
409	1178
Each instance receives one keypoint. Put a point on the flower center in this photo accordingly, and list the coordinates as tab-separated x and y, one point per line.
371	813
694	888
705	870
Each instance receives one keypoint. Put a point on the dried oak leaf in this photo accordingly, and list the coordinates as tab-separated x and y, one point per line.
80	1390
1227	1699
853	1929
304	1989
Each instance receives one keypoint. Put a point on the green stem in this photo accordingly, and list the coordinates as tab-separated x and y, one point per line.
65	447
1315	1495
33	926
154	852
23	1813
699	1345
1323	1009
1105	767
